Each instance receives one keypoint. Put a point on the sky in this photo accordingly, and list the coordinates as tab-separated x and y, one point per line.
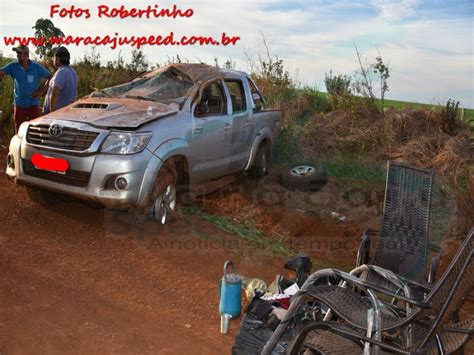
429	45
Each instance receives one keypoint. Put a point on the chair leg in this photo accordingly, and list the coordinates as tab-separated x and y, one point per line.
440	345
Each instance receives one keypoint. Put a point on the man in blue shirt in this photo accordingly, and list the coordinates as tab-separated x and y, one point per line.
27	78
62	88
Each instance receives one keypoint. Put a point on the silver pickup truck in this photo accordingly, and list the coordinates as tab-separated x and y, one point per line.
134	145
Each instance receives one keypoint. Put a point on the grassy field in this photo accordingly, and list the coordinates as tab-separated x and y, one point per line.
468	113
398	105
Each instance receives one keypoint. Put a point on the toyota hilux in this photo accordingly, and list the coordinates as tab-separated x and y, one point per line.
132	146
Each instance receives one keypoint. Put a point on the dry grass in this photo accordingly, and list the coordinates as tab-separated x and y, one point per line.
413	136
464	214
420	140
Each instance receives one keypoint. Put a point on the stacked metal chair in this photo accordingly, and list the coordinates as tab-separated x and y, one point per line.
402	243
426	329
397	270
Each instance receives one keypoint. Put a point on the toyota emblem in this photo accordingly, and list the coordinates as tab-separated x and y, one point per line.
55	130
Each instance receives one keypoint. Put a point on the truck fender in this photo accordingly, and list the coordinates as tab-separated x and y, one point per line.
264	133
166	150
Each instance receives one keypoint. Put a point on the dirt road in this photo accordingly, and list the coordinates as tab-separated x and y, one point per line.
79	280
74	280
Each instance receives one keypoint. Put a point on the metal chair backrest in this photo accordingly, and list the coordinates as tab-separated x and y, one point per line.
402	246
450	291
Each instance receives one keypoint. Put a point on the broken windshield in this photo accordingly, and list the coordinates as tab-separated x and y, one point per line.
167	87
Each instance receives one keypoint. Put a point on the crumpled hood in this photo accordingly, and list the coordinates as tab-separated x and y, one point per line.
113	112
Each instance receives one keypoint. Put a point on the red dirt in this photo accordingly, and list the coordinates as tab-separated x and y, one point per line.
68	284
79	280
334	243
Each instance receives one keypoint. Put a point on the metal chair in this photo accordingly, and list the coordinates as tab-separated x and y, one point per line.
425	327
402	242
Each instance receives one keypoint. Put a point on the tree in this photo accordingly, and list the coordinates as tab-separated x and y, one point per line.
44	28
364	78
139	63
383	73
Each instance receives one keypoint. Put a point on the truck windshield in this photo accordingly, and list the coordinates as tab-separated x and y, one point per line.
167	87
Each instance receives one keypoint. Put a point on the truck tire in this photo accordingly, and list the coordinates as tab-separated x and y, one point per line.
260	164
304	177
163	198
42	197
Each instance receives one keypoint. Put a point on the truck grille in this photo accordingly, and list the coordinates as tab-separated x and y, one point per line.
70	139
72	177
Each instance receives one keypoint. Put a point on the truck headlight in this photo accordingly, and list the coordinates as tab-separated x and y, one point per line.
22	130
125	143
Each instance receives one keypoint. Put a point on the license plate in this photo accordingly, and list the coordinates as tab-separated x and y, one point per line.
55	165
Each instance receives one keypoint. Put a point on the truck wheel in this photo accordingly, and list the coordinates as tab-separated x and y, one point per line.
42	197
260	165
304	177
163	198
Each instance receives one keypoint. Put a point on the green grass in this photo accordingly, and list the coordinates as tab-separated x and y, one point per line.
256	237
350	167
416	105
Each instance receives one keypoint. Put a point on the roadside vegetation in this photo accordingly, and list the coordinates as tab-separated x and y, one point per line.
6	99
352	128
257	238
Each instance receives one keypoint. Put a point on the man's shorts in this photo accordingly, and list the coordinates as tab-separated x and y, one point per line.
22	114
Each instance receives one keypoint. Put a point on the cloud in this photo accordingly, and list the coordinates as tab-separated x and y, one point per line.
395	10
428	43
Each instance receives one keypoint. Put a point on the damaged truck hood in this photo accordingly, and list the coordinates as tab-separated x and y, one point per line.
113	112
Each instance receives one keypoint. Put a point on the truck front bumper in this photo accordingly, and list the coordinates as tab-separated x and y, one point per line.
91	177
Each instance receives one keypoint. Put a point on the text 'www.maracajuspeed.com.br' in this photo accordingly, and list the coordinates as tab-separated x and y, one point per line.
116	40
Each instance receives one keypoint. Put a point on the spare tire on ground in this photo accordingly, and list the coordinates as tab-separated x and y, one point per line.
304	177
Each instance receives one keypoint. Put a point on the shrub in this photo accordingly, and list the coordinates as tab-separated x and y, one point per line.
274	81
287	148
449	117
6	102
315	101
139	63
338	87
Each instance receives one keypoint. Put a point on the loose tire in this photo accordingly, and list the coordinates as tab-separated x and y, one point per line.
304	177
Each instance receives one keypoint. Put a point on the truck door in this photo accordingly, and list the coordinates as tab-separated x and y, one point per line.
211	127
243	125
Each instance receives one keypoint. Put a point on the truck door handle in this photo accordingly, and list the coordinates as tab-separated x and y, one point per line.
247	123
227	127
198	130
